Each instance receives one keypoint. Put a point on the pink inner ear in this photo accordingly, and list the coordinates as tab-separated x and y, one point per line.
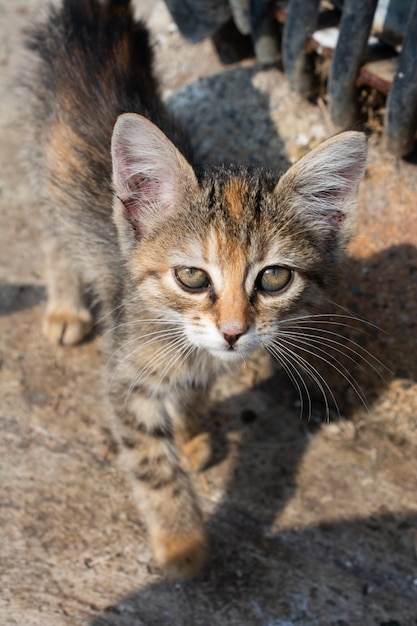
146	200
142	188
139	192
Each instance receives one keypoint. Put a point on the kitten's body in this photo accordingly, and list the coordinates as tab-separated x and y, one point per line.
193	273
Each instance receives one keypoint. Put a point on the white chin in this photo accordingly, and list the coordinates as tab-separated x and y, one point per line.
225	355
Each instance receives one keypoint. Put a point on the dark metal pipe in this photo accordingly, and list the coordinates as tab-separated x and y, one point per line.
349	55
265	31
401	117
301	22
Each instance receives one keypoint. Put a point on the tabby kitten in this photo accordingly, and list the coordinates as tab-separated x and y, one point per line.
192	271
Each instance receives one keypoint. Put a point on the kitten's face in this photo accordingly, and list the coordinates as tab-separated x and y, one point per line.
231	266
227	259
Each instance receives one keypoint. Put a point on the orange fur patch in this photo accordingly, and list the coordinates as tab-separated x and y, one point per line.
196	453
62	154
232	309
182	556
233	313
234	195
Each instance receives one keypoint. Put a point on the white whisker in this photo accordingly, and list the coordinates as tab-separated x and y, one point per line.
119	307
314	374
156	337
345	374
149	321
343	349
331	319
291	371
184	352
355	317
170	332
157	358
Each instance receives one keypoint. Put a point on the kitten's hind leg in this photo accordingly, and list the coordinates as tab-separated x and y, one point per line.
67	318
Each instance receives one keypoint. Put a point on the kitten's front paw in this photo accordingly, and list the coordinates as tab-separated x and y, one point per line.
181	556
65	326
196	453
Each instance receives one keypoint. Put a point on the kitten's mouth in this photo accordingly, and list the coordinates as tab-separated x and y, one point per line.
229	354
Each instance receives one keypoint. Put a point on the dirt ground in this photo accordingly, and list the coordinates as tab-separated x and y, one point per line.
312	523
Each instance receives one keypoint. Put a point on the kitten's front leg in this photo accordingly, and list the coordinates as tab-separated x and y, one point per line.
162	489
67	317
194	445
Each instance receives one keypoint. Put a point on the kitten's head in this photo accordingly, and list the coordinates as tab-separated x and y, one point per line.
230	256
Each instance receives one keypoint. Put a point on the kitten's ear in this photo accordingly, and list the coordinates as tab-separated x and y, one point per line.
323	185
150	176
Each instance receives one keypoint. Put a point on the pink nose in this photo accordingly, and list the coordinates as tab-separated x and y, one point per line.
232	338
233	331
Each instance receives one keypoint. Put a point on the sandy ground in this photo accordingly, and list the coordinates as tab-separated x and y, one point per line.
312	524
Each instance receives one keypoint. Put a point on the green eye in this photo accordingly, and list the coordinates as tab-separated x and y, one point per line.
274	279
192	278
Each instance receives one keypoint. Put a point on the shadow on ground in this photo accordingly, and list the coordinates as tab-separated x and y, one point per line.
14	297
248	581
231	100
367	565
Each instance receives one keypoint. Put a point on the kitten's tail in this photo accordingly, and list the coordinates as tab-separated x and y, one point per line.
86	24
90	46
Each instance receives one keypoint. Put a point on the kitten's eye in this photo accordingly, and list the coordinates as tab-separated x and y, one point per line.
192	278
274	279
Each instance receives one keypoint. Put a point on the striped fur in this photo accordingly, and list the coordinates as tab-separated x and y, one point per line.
128	219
